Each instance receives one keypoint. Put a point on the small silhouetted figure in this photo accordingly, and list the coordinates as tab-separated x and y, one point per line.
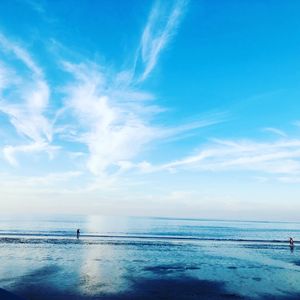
292	243
78	233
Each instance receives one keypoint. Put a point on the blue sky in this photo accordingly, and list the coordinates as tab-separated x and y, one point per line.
162	108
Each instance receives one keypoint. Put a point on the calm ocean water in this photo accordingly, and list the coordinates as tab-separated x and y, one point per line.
65	226
148	258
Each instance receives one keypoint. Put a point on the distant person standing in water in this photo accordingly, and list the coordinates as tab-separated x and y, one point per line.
291	242
78	233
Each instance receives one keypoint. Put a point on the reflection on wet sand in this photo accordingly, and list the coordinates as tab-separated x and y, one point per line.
101	270
101	266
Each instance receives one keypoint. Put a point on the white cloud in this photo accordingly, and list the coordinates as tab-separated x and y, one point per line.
104	111
113	119
4	76
280	157
162	24
27	114
276	131
21	54
25	102
10	152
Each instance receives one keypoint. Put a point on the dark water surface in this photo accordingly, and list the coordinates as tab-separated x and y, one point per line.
143	258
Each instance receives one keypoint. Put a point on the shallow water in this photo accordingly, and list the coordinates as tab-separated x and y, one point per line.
138	258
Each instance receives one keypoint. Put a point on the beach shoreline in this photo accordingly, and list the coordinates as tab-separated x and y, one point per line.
164	259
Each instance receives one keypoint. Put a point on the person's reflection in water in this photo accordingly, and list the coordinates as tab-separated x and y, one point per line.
78	233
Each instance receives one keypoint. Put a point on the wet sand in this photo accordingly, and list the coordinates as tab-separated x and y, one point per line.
178	288
188	288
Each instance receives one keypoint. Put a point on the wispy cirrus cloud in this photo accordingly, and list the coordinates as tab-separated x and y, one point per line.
21	54
275	131
105	111
161	26
114	119
10	152
279	157
24	100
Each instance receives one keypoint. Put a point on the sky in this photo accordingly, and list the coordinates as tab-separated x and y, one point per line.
171	108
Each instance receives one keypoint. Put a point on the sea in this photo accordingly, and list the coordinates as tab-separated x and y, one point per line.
148	258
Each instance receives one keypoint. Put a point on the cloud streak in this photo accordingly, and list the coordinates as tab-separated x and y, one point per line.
275	131
10	47
24	100
10	152
162	25
280	157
